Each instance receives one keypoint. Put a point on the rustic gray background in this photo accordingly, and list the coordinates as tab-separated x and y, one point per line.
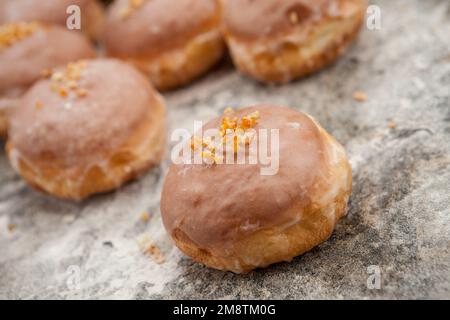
399	218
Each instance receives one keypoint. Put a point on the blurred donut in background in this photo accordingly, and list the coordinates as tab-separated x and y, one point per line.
87	128
29	49
173	42
279	41
54	12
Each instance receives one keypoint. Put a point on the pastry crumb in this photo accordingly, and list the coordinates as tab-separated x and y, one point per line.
392	124
11	33
360	96
145	216
147	247
234	129
11	227
155	253
67	80
69	218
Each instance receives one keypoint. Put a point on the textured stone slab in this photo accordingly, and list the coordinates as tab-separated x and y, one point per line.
399	220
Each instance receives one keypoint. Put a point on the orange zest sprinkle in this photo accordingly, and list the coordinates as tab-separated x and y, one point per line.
11	227
81	92
130	8
39	105
46	73
230	128
62	92
293	17
13	32
65	80
72	85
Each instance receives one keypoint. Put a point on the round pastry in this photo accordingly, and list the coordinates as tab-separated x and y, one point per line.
238	217
88	128
278	41
54	12
29	49
171	41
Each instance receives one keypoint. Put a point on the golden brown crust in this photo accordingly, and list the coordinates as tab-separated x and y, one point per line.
3	125
230	217
180	66
144	151
172	42
108	128
94	17
271	245
54	12
294	42
6	106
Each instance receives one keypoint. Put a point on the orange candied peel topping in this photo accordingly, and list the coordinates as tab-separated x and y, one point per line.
131	7
230	128
13	32
293	17
39	105
66	81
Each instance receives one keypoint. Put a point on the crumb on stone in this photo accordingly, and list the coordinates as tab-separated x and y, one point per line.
360	96
145	216
147	247
11	227
392	124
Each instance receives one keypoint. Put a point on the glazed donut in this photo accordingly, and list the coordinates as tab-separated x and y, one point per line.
173	42
279	41
86	129
232	217
54	12
29	49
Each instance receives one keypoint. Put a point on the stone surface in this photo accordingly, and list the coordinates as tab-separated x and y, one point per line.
399	219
